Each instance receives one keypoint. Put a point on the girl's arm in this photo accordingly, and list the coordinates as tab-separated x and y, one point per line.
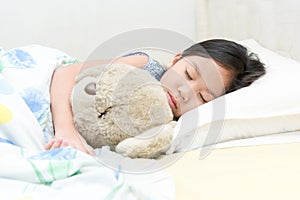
61	87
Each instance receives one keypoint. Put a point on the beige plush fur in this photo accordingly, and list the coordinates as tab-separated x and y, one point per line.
129	111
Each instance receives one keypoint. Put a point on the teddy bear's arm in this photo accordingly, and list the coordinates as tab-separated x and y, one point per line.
149	144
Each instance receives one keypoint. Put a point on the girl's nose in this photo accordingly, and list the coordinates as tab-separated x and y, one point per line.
185	92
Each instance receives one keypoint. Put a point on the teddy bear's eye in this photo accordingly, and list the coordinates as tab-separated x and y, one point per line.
90	88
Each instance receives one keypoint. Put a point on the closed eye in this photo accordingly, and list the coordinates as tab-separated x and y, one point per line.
202	98
188	75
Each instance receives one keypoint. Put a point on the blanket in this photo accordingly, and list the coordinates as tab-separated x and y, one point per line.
27	171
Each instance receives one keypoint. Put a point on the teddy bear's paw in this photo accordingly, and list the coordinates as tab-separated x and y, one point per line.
127	148
149	144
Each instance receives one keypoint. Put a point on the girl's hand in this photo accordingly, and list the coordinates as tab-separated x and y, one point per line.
76	141
56	143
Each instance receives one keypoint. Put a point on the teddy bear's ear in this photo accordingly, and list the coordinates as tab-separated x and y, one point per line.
90	88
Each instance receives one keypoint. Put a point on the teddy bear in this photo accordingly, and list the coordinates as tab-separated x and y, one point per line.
122	107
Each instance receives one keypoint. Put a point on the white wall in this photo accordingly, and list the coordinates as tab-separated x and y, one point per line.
77	26
273	23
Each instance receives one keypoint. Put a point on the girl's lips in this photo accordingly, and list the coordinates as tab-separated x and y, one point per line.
172	100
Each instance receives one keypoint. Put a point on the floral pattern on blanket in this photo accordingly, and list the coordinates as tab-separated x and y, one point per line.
16	58
24	65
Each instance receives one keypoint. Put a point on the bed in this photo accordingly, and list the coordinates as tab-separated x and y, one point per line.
250	151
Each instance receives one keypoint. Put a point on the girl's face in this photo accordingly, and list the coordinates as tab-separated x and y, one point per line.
192	81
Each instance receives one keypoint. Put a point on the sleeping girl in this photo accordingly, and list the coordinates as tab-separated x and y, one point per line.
200	74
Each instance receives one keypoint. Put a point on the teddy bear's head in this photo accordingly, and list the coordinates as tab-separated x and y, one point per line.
115	102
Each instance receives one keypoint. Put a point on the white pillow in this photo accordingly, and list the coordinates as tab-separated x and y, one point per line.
270	105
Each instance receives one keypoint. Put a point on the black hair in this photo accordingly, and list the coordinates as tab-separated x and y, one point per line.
228	54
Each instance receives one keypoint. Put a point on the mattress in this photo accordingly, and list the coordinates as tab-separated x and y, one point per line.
266	171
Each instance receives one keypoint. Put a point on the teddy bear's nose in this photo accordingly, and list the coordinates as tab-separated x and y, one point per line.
90	88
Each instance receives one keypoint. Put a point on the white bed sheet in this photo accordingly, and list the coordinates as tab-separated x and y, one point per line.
288	137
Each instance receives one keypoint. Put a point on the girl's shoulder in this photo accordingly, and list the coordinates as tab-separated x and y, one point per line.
151	65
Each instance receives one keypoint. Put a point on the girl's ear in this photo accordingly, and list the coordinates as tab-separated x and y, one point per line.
174	60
